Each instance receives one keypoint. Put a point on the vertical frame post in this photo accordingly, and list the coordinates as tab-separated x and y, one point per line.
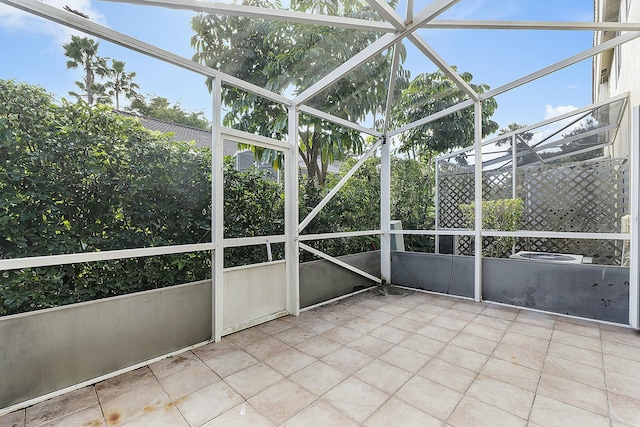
385	211
437	204
477	281
514	166
217	213
634	203
292	251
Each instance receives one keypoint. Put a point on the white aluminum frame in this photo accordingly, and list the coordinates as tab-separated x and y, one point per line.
394	30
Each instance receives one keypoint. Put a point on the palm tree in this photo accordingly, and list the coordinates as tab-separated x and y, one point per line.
83	52
120	82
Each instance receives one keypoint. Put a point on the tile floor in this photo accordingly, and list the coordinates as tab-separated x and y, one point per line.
405	359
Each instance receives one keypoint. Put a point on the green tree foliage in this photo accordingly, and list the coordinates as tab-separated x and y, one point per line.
429	93
160	108
119	82
291	57
83	53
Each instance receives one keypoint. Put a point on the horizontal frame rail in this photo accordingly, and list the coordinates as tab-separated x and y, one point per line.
322	236
522	233
340	263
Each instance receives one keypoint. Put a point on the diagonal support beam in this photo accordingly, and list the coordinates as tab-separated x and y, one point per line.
395	63
430	53
340	263
387	12
428	13
267	14
446	24
435	116
338	186
562	64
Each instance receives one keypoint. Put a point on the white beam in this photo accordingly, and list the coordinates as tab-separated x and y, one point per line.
338	186
634	204
429	12
409	15
253	139
435	116
387	12
478	203
446	24
323	236
562	64
76	22
340	263
430	53
395	63
282	15
217	212
337	120
291	217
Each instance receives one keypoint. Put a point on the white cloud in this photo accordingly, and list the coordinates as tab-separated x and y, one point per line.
551	111
15	20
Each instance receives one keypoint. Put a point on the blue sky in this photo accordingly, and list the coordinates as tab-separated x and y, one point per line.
32	52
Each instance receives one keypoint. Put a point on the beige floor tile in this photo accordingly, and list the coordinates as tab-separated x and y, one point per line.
620	350
623	384
501	312
450	323
419	316
317	325
625	409
492	322
295	335
281	401
549	412
252	380
116	386
347	360
318	378
173	364
406	324
575	371
289	361
575	340
356	310
511	373
342	335
430	308
275	326
462	357
460	314
207	403
484	331
231	362
214	349
531	330
622	365
430	397
509	398
379	316
533	318
471	307
396	413
362	325
448	375
622	336
319	413
61	406
337	316
13	419
187	381
355	399
318	346
538	345
423	344
369	345
588	330
394	309
475	343
405	358
472	412
246	337
134	403
437	333
390	334
383	376
520	355
586	357
91	416
167	415
265	348
243	415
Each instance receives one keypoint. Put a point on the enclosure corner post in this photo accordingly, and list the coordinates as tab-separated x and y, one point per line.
477	288
217	214
634	271
292	250
385	212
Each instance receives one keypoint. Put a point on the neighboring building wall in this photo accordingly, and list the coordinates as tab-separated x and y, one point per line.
617	71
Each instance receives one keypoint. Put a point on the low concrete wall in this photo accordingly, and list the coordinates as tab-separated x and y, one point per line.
446	274
322	280
591	291
52	349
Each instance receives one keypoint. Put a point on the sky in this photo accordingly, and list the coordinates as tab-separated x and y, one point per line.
32	52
